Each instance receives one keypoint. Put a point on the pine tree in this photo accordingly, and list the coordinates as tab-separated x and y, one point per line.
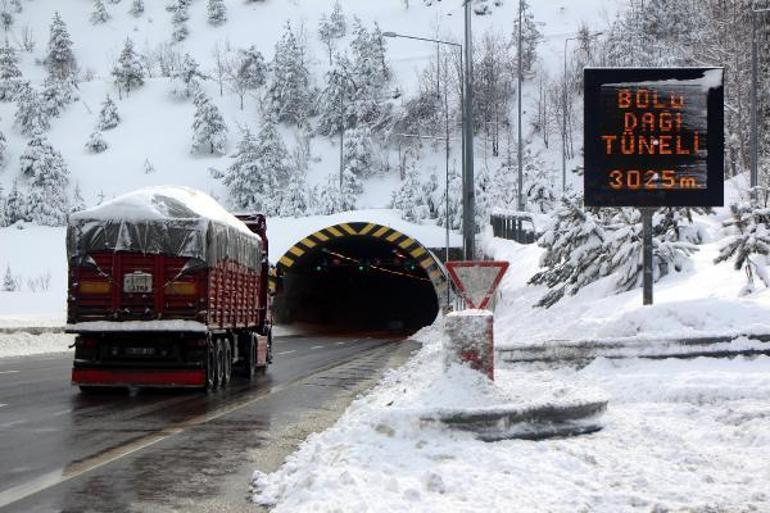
358	153
410	198
148	167
335	107
9	283
16	6
217	12
78	203
60	60
96	142
749	242
14	205
47	177
329	197
108	115
137	8
209	128
332	28
539	180
575	252
129	72
3	149
370	73
3	216
259	171
56	95
531	37
31	116
186	79
351	190
455	214
10	74
99	14
288	96
295	201
179	18
251	68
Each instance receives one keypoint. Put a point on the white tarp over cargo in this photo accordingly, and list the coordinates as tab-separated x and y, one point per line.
164	220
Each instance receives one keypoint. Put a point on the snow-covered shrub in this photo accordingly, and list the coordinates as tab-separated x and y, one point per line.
109	117
748	243
96	142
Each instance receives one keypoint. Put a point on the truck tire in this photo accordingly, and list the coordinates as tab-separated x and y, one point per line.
228	362
220	356
211	368
94	390
251	360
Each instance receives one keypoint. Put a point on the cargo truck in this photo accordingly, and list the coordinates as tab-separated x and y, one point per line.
166	288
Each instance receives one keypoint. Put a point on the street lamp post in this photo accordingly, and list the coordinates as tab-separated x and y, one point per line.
564	113
754	177
439	42
469	192
520	143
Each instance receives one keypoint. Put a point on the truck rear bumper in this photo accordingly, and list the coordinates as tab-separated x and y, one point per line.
139	377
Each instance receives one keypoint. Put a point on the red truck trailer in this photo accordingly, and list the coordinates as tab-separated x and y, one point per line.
166	288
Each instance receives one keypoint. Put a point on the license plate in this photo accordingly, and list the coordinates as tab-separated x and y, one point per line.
137	283
140	351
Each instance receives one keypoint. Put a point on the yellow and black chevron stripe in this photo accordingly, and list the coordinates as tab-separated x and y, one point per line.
410	246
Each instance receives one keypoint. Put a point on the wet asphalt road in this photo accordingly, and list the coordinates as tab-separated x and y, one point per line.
161	450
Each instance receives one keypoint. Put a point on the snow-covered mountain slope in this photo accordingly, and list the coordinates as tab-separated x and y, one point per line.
157	127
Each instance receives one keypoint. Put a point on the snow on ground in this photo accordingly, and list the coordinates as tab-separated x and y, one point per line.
25	344
679	436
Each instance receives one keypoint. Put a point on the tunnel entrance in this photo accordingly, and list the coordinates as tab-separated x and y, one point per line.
341	278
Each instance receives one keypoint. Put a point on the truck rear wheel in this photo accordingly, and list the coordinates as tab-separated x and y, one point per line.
251	361
220	363
211	368
228	362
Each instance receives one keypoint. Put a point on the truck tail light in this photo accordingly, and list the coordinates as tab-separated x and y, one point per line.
94	287
181	288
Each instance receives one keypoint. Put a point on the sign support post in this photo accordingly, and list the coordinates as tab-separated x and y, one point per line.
647	254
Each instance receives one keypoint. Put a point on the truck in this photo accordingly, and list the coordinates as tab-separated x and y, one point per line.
166	288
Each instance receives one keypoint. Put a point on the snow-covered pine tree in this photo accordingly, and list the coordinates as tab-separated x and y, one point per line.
114	1
45	172
455	214
96	142
295	200
539	184
129	71
6	18
288	96
109	117
677	224
259	172
186	79
137	8
9	283
31	116
217	12
209	128
432	194
625	246
329	200
56	95
3	149
332	28
409	198
358	152
337	97
575	252
14	205
99	14
10	74
531	37
78	203
16	6
748	243
370	73
247	72
148	167
60	60
351	190
3	217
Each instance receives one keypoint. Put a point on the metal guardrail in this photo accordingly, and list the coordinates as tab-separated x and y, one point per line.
517	226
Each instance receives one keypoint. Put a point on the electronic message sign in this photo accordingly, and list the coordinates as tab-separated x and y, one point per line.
654	137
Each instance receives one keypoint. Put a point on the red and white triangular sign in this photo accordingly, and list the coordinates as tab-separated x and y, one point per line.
477	281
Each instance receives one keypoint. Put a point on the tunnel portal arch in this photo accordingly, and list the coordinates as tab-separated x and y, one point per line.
378	234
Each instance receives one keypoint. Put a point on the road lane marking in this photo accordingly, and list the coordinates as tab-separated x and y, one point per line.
3	404
9	372
339	343
317	347
37	485
286	352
